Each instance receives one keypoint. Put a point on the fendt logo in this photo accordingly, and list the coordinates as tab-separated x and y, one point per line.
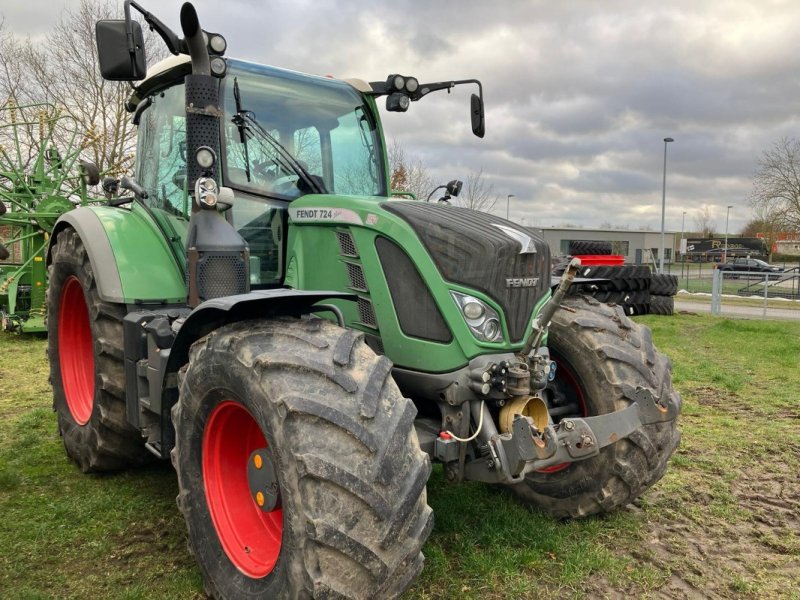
521	282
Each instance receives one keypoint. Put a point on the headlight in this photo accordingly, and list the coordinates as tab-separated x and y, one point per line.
482	320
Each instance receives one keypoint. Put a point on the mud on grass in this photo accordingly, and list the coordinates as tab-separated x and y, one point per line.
723	523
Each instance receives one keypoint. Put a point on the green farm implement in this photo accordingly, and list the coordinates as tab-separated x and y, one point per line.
41	178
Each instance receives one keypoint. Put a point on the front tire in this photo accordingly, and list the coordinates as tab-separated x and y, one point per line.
86	369
338	442
602	358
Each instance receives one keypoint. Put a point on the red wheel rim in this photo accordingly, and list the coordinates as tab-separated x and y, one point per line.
76	351
569	378
250	536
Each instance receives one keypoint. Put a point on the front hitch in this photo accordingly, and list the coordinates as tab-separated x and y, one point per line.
528	448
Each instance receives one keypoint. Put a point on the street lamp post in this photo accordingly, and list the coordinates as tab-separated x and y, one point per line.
682	249
508	202
663	205
683	222
725	252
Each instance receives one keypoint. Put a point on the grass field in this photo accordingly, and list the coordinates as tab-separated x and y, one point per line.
723	523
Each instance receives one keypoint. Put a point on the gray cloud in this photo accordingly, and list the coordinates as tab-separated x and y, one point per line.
579	94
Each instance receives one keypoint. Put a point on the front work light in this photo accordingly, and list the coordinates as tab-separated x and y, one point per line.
397	102
205	157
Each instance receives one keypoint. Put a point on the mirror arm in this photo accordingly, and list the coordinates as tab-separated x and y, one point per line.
426	88
173	42
129	35
379	88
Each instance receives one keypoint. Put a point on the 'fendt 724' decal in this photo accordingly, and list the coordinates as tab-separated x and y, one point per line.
326	215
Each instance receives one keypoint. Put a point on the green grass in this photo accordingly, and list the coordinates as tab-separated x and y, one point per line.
711	525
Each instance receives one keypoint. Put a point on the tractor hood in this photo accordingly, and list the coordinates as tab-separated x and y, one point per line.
507	262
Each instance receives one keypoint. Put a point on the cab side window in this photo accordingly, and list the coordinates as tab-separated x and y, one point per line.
161	150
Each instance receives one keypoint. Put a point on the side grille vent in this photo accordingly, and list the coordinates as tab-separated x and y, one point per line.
366	313
356	276
417	312
347	244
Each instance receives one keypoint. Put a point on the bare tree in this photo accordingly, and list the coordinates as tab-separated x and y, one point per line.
762	225
62	71
11	69
477	195
408	174
776	184
704	224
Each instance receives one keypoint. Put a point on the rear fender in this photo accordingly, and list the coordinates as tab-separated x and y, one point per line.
130	259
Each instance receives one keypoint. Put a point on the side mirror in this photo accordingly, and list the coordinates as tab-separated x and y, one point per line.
89	172
118	61
476	112
110	187
454	187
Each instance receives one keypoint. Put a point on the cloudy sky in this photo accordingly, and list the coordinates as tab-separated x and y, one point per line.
579	94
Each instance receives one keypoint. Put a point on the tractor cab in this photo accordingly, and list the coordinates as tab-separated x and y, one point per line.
284	135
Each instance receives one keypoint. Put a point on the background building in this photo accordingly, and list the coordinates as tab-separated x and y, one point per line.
636	246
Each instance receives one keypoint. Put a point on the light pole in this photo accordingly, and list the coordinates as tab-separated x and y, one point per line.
725	252
667	140
508	202
681	246
683	222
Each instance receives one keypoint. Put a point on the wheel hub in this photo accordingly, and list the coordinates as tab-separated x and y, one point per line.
263	481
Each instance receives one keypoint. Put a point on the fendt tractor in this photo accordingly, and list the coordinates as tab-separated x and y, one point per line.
256	306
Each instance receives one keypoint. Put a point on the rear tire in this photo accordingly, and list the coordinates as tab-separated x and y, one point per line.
86	364
323	410
602	358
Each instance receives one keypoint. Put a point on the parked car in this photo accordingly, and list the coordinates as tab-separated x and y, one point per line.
754	266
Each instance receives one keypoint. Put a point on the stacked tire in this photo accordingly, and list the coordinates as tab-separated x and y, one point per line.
625	285
663	288
589	248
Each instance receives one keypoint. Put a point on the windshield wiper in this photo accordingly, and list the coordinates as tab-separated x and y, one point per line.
238	120
289	162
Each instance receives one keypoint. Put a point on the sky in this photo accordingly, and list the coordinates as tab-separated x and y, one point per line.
579	94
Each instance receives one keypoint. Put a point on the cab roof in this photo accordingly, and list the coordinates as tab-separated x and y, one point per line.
171	69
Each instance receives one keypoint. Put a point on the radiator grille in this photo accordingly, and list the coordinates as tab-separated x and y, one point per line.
469	249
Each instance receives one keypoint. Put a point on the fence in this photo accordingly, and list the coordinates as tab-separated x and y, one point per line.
742	292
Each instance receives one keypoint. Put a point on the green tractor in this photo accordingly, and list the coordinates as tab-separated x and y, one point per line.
257	308
41	177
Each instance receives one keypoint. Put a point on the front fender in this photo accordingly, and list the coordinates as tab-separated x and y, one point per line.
260	304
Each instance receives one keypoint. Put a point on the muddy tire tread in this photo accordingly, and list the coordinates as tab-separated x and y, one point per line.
624	470
323	381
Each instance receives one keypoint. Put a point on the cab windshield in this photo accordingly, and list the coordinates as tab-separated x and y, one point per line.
286	135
